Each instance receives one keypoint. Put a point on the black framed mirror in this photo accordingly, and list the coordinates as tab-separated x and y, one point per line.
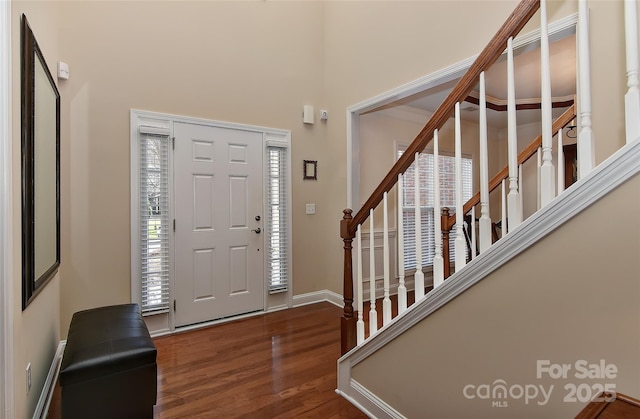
40	168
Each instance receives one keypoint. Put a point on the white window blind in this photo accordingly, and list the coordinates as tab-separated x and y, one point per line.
154	220
277	234
447	199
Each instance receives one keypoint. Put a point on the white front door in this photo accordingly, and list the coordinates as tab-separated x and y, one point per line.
218	232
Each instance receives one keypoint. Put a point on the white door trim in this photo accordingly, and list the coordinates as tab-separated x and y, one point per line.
211	122
6	256
163	120
557	30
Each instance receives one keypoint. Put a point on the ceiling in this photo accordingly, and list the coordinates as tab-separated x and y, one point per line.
562	58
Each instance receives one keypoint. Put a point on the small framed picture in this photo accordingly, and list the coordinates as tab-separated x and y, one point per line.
310	170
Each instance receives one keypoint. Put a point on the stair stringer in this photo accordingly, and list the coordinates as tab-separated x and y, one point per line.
611	173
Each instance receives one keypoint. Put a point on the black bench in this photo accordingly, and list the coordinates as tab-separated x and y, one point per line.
109	365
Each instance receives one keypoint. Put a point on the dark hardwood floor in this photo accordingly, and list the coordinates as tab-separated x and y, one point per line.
278	365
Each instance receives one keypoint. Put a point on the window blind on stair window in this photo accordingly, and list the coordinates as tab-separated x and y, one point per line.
277	224
447	199
154	219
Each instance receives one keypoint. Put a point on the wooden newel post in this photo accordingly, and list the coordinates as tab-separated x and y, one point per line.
444	225
348	321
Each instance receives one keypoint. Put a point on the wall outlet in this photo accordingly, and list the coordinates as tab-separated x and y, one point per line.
28	377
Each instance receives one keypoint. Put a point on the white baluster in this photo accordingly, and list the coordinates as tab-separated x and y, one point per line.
632	97
513	199
419	275
539	165
438	261
560	163
461	254
503	193
485	218
360	286
586	142
473	232
547	172
386	302
373	314
521	192
402	289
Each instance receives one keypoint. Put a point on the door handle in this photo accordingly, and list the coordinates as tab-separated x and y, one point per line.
257	230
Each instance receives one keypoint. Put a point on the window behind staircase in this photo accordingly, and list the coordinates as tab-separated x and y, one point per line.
448	199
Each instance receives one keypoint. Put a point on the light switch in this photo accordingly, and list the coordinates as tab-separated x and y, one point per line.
311	209
63	70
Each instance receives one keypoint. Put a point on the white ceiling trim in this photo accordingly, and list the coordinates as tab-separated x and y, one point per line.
521	101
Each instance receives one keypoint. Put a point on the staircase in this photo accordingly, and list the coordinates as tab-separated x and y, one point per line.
520	301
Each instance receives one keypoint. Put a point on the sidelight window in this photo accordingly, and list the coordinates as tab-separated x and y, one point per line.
277	219
154	220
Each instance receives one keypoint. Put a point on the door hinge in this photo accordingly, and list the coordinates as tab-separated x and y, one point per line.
174	225
174	305
173	142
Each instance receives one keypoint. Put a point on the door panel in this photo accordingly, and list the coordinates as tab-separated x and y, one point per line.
203	208
203	274
238	201
238	261
218	194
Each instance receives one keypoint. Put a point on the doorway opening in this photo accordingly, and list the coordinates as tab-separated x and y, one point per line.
211	219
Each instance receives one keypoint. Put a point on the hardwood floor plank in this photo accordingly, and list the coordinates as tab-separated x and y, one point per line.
279	365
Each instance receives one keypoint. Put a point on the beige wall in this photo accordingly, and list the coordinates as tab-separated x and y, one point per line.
35	330
246	62
571	297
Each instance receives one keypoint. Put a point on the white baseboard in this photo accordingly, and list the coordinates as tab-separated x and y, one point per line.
298	301
368	403
160	333
42	408
197	326
318	297
277	308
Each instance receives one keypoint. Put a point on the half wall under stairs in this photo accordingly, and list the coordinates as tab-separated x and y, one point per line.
487	342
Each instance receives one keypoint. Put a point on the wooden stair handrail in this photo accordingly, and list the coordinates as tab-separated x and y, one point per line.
562	121
511	27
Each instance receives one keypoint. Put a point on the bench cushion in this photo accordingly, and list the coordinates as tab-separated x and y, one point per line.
105	341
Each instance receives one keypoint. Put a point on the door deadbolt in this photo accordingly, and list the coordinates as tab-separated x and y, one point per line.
257	218
257	230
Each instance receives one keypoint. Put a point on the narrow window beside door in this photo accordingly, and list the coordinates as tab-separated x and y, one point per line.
154	221
277	234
